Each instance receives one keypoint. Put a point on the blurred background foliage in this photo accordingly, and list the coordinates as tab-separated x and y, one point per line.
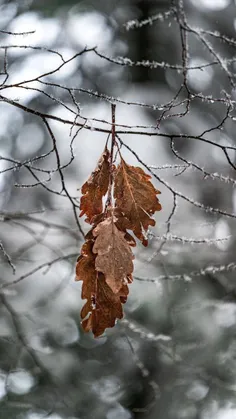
174	355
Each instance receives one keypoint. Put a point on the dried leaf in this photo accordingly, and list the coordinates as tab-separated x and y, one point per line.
106	308
114	256
136	197
106	262
85	269
103	307
95	188
121	222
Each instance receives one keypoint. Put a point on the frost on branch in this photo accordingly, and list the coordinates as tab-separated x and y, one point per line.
106	262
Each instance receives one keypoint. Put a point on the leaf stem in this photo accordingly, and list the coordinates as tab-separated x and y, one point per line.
113	130
113	142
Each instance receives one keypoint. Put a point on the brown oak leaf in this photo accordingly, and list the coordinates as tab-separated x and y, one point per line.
106	308
136	196
121	222
114	256
103	307
95	188
85	269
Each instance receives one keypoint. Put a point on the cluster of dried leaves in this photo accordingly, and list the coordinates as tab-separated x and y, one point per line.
105	264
